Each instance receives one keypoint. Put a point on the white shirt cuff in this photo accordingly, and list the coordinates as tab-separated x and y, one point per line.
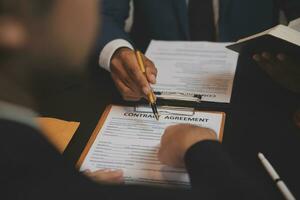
109	50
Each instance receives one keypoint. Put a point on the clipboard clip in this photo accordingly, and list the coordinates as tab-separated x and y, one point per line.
166	110
179	96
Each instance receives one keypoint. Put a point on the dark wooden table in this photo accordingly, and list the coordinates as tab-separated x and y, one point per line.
258	119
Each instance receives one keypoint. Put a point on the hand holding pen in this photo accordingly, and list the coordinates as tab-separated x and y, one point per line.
151	96
125	71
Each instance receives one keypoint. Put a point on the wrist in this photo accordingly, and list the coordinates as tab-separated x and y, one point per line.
109	50
118	53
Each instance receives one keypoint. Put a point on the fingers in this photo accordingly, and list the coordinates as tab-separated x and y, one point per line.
106	176
281	57
127	93
118	72
168	159
124	83
266	55
288	62
166	146
129	79
168	133
263	56
269	63
133	70
169	156
151	71
281	68
138	78
256	57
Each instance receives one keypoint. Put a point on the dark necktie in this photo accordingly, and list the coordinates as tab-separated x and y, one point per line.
201	20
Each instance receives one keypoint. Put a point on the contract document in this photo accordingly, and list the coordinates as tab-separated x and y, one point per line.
129	140
194	68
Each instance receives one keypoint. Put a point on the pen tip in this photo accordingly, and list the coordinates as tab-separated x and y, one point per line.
157	117
155	112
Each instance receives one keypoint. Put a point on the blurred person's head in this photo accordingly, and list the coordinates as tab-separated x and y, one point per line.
41	40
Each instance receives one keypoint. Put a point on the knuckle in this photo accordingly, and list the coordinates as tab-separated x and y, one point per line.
125	53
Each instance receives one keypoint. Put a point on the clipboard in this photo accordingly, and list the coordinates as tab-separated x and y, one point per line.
105	115
93	136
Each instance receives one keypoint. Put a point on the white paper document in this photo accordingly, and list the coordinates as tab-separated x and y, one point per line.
129	140
201	68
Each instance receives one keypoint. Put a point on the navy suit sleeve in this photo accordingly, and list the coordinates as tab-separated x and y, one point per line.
114	14
212	170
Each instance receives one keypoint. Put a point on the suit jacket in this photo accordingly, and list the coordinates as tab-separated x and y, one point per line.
30	168
168	19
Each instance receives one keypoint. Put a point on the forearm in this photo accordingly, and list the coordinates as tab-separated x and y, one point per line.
109	50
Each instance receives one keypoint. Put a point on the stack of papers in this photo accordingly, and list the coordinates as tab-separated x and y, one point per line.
194	68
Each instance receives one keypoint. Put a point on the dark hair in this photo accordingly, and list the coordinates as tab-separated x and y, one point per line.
19	7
